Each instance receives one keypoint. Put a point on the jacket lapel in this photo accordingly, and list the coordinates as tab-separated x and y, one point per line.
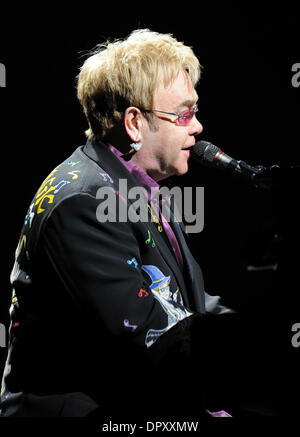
193	274
167	254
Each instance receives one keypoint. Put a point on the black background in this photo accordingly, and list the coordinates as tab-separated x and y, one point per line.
248	107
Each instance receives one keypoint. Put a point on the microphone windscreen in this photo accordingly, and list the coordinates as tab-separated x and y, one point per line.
204	152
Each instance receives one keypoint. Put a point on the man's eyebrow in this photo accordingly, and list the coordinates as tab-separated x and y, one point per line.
187	103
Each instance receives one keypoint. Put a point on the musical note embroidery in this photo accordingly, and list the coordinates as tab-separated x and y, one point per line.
105	177
140	293
72	163
133	260
128	325
148	241
155	219
29	215
60	185
74	173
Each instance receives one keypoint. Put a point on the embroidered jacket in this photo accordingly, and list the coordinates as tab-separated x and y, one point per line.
91	297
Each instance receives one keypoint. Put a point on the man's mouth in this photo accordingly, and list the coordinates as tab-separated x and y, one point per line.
187	149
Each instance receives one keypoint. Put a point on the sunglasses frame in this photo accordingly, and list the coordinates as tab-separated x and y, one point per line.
182	119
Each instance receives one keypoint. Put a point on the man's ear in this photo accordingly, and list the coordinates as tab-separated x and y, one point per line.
133	123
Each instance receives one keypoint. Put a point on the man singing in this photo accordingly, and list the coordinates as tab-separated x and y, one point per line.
103	311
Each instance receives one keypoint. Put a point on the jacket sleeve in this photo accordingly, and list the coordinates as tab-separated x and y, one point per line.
99	265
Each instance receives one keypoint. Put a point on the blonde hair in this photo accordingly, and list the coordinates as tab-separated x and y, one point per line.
126	73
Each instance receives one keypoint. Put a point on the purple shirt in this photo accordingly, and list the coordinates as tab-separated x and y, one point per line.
151	186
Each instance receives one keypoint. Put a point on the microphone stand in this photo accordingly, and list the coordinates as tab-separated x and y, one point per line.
275	177
281	183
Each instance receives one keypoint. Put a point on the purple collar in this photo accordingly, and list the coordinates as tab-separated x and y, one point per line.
142	178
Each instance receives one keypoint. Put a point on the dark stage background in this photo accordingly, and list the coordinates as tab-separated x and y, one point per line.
248	107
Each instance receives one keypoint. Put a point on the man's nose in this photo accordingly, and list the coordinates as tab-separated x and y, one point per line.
196	127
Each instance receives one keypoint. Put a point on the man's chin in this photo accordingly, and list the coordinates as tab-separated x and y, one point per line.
181	170
178	170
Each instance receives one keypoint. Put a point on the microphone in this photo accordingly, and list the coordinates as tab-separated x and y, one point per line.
208	154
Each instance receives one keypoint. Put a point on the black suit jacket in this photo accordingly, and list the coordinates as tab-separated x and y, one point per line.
91	300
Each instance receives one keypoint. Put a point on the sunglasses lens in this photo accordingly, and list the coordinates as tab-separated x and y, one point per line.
185	118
